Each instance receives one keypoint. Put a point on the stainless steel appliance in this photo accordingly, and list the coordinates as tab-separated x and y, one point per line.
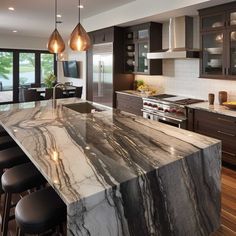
103	73
167	108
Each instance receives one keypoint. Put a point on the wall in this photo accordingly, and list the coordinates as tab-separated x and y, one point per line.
78	56
181	76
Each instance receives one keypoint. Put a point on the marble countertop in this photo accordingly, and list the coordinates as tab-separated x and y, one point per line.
216	108
133	93
82	154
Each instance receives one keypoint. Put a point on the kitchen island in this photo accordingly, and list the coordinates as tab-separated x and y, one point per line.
120	174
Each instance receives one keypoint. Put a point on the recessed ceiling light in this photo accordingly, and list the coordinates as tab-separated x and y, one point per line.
80	6
59	16
14	31
11	8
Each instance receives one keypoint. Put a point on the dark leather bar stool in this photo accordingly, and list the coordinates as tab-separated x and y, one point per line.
17	180
39	212
6	142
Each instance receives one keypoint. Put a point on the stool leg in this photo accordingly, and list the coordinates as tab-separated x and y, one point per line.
19	232
3	211
6	214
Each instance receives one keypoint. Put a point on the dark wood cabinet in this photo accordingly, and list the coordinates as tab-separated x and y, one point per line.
102	36
220	127
139	40
129	103
218	42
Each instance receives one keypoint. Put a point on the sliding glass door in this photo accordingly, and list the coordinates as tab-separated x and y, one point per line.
21	69
6	76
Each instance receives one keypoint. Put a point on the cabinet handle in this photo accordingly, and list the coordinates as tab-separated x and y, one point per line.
229	153
228	134
229	121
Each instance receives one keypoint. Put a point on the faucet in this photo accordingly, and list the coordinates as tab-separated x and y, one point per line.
54	93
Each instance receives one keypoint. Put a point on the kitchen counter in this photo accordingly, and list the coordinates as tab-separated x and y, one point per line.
133	93
120	174
216	108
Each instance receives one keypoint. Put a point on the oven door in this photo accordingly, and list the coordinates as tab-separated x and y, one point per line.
165	119
171	121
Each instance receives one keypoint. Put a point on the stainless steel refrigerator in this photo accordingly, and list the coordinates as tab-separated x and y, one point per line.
103	74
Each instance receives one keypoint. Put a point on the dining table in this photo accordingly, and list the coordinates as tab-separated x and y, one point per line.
42	90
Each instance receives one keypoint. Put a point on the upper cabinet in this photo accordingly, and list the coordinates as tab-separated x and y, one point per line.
140	40
218	41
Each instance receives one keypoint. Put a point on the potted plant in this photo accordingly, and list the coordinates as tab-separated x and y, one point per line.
50	80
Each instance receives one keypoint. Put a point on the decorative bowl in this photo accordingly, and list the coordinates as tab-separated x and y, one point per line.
231	105
215	50
217	24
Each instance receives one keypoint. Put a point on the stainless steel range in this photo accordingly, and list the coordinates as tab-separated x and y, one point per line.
167	108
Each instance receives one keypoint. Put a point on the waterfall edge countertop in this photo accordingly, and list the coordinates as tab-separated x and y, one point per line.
120	174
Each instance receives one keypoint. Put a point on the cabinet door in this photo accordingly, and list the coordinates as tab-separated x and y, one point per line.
213	22
231	66
213	61
142	61
232	18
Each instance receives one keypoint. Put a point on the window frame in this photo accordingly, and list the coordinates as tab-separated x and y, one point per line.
16	67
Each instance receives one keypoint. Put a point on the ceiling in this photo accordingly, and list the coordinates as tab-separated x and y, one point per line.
36	18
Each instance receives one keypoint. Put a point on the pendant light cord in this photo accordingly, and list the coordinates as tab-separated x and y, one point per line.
55	14
79	12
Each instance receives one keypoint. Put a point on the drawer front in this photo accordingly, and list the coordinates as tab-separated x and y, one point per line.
220	122
129	104
219	127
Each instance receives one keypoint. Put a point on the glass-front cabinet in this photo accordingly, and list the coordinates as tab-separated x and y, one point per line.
140	40
218	41
213	59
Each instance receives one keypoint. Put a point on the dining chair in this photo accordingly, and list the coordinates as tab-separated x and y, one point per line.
35	85
31	95
78	92
49	93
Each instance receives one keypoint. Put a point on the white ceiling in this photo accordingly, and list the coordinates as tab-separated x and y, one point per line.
36	17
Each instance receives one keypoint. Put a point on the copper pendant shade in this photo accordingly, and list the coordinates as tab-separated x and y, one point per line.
55	42
79	39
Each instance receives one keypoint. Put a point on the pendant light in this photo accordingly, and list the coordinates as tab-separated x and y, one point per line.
55	42
79	39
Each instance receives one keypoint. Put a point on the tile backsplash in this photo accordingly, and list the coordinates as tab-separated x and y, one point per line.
181	77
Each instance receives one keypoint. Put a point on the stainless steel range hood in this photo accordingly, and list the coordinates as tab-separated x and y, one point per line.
180	40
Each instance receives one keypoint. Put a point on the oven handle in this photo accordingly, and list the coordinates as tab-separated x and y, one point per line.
161	116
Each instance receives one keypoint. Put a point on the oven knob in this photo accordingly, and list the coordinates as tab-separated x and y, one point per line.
150	105
166	110
173	110
179	112
145	104
160	108
155	106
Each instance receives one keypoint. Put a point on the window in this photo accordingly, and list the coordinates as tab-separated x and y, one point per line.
6	76
21	69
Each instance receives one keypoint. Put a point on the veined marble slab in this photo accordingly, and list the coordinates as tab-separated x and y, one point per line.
216	108
121	175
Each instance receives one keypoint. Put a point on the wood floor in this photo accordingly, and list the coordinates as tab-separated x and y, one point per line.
228	201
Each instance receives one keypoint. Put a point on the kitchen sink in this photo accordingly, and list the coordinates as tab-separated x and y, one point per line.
84	107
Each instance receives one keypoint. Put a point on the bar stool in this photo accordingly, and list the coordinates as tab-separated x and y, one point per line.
3	132
11	157
17	180
6	142
39	212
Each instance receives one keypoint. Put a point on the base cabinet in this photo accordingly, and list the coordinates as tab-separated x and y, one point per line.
129	103
220	127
